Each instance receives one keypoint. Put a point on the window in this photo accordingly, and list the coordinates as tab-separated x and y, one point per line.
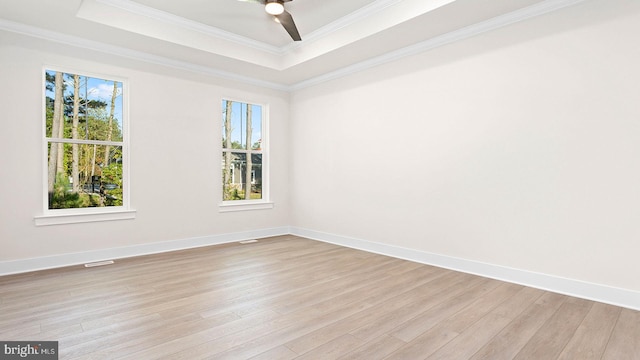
244	165
86	149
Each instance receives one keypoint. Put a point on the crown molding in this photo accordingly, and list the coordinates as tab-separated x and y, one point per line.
354	17
167	18
75	41
438	41
457	35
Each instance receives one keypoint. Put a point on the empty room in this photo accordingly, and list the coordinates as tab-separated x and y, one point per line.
298	179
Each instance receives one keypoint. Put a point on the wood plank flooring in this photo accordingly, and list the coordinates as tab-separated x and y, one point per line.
293	298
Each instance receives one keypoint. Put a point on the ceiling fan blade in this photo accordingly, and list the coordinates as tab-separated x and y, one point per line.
287	22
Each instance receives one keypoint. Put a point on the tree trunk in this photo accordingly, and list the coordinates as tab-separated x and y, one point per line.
247	175
75	173
227	154
114	94
55	130
60	162
93	162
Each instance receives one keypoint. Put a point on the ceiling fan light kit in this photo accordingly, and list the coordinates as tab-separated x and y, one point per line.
274	7
280	15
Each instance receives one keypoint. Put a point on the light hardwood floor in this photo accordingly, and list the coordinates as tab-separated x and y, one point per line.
293	298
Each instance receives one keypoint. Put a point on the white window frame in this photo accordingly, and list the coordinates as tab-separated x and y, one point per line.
256	204
88	214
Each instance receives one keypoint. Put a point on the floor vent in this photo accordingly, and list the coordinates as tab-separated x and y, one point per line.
99	263
248	241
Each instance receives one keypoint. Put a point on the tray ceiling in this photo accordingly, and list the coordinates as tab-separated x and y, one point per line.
239	40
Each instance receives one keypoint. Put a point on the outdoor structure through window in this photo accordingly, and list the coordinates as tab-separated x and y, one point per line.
242	151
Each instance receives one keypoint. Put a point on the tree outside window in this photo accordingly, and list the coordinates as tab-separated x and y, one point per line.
242	152
84	139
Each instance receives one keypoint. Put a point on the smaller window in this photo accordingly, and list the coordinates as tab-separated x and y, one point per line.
243	152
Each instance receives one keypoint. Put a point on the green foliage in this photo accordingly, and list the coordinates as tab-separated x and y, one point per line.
64	198
236	195
235	192
112	175
93	124
235	145
231	191
93	115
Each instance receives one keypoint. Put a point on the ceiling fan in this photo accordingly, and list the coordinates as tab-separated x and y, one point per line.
276	8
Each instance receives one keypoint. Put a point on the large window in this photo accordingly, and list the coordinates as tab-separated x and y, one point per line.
85	143
243	153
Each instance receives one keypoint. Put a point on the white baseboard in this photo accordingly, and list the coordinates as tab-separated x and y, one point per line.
56	261
596	292
590	291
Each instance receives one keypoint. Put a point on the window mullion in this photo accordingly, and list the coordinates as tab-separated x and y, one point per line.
85	142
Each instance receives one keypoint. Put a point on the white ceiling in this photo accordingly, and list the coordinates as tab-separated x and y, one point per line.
250	20
238	40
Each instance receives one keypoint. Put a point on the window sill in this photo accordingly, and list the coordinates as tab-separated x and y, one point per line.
75	218
240	205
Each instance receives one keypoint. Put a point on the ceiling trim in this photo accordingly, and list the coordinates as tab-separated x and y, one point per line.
131	16
162	16
354	17
542	8
159	15
75	41
435	42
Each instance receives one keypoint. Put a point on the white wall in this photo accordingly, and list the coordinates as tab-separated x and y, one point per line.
175	155
518	148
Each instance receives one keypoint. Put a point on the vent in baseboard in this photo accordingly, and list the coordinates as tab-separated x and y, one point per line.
99	263
248	241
